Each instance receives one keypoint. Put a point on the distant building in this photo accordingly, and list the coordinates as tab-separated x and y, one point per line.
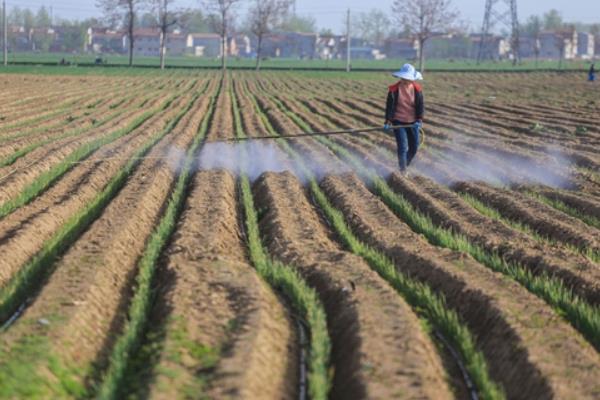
553	43
147	43
496	47
289	45
585	45
240	46
528	45
204	44
363	53
67	39
327	46
401	48
19	39
104	40
448	46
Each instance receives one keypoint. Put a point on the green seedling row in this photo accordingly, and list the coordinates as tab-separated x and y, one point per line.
582	316
419	296
113	384
27	280
47	179
75	132
285	279
561	206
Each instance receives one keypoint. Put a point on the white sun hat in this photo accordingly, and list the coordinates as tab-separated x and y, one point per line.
408	72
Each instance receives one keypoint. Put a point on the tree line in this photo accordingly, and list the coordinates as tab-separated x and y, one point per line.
416	19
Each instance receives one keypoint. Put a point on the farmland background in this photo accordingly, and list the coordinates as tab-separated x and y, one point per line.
146	254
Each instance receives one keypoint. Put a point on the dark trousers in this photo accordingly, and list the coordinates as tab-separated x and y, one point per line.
407	141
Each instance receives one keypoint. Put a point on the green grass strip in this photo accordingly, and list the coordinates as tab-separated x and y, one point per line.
27	279
63	109
47	179
563	207
430	306
582	315
76	132
526	229
139	309
285	279
420	297
302	298
43	129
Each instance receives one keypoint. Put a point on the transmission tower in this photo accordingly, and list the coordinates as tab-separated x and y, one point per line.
503	13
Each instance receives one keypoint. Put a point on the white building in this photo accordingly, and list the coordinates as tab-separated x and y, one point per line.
585	45
147	43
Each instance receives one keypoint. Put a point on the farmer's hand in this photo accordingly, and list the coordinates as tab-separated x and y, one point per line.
387	126
417	125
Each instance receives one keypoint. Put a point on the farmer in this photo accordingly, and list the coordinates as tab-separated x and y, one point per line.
405	107
592	74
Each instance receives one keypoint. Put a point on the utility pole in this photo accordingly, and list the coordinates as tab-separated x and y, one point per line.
507	17
348	40
5	33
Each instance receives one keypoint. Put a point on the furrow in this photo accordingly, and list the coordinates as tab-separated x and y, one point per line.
540	217
24	232
530	362
448	210
368	322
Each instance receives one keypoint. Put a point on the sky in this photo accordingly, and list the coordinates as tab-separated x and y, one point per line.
331	14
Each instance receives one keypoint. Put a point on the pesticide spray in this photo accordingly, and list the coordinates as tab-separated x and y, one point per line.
257	155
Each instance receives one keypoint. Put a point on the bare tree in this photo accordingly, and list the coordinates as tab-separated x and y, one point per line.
222	22
166	19
115	10
374	26
263	16
423	18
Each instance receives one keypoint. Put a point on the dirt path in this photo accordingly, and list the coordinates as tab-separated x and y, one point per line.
369	323
211	298
530	350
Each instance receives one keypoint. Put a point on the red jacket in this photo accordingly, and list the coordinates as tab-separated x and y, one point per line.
392	102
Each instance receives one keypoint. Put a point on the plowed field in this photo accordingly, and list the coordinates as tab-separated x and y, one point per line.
145	254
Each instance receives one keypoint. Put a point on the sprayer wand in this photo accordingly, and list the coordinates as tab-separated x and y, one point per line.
305	134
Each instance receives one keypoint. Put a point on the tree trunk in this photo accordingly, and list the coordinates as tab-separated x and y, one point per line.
422	55
163	39
130	29
223	55
224	41
258	52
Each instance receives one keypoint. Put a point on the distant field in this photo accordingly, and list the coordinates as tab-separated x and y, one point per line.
146	255
295	63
